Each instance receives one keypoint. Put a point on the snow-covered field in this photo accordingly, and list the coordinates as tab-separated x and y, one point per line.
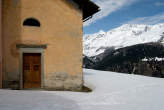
111	91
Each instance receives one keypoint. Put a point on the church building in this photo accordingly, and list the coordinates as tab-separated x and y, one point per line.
41	43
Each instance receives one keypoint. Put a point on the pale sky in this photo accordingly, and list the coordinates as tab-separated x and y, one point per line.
114	13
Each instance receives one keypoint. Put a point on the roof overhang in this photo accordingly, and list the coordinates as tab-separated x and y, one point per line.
88	7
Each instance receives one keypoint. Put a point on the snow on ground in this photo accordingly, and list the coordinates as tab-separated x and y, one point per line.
111	91
155	58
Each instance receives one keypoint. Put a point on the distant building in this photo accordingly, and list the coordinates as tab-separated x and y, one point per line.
41	43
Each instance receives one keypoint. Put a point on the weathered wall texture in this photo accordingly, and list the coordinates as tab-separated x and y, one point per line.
0	48
61	30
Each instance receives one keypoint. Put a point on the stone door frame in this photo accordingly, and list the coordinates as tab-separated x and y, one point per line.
31	50
1	44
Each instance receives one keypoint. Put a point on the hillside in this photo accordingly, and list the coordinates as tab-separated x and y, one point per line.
126	35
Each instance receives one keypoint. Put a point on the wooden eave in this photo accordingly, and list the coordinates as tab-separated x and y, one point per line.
88	7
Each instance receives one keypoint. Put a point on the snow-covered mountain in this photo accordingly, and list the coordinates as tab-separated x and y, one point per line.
125	35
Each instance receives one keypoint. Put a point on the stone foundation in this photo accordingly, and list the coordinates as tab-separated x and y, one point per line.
63	81
57	81
11	84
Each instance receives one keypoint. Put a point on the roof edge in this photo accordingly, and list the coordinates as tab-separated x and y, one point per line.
88	7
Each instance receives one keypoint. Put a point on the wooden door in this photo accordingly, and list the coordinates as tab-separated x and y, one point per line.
31	70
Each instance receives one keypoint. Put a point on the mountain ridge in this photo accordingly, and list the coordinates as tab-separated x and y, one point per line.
123	36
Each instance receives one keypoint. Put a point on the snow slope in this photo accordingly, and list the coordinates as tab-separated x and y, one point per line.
111	91
126	35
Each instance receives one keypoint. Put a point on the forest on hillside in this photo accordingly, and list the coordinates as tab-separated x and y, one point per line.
144	59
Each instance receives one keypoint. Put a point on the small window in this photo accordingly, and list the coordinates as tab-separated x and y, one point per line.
31	22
